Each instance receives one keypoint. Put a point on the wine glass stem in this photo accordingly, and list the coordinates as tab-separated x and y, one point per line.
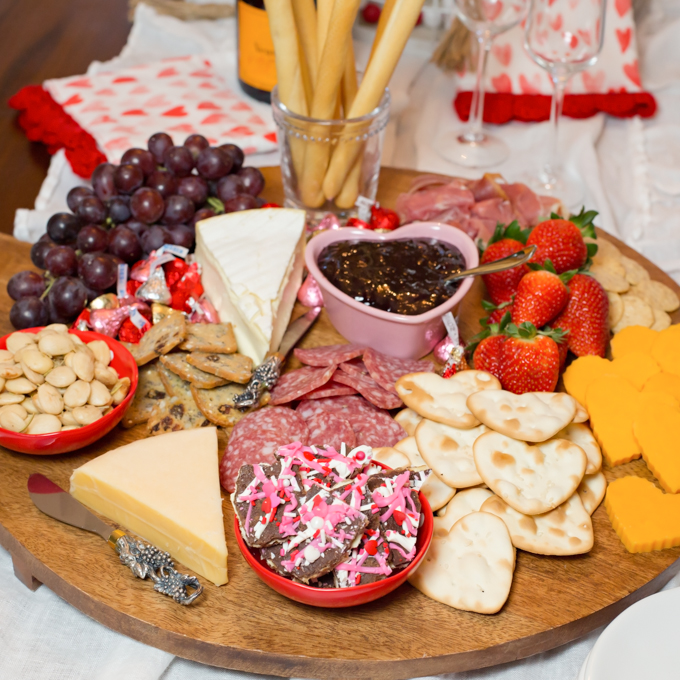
549	174
474	132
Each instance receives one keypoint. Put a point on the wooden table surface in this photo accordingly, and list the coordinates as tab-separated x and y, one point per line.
45	39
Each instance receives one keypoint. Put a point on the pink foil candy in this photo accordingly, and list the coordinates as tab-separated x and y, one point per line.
310	294
328	221
108	321
443	350
203	311
155	289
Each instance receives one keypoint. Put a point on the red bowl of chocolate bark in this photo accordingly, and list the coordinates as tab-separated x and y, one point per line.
335	598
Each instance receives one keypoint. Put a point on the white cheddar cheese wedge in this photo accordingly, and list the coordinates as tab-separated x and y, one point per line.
165	489
252	268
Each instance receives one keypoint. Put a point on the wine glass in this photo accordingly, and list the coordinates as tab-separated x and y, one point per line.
563	37
486	19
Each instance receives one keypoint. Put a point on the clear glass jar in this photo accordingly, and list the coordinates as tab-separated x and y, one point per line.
339	159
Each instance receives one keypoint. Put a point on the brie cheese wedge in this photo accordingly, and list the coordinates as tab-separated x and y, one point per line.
252	264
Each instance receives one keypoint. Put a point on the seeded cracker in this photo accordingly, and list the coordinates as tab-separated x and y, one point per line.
212	337
175	413
160	339
217	404
234	367
150	391
174	385
177	363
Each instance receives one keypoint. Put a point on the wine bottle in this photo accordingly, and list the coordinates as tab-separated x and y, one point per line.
256	64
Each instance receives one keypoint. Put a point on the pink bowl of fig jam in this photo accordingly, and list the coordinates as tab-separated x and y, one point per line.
387	291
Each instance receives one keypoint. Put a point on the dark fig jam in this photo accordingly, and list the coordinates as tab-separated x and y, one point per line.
404	276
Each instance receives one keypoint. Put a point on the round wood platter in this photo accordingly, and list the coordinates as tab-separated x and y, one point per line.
246	626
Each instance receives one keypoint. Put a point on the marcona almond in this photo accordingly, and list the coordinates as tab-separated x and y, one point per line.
15	408
6	355
120	391
2	384
99	394
9	398
20	386
105	374
12	421
67	419
36	402
50	400
18	340
61	377
86	414
83	364
10	370
53	328
77	394
65	428
35	378
36	360
30	404
76	339
101	351
44	423
55	344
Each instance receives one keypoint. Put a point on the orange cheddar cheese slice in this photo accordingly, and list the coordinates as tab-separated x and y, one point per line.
666	383
666	350
633	339
581	373
636	367
644	517
612	403
656	429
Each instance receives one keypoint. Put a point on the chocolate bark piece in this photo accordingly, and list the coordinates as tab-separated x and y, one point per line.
327	532
234	367
177	363
210	337
150	390
265	501
398	507
367	563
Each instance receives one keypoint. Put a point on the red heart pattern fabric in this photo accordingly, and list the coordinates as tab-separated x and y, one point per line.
183	95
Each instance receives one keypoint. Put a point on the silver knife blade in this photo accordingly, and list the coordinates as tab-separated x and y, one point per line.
57	503
297	329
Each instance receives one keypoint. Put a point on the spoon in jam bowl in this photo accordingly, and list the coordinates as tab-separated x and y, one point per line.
522	256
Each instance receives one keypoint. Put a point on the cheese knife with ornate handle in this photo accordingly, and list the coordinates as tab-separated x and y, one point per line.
144	560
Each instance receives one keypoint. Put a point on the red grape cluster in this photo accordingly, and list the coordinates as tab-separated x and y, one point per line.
155	196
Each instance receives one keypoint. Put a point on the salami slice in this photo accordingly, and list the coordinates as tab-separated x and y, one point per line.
386	370
257	437
369	389
328	355
330	389
295	384
353	367
327	429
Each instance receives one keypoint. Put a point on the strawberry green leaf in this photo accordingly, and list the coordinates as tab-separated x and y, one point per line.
512	231
592	249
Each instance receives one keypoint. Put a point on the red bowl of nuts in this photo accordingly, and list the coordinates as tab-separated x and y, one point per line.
61	389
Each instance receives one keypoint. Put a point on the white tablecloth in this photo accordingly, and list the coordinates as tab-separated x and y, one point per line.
632	172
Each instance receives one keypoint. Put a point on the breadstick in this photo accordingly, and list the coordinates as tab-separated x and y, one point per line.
305	21
349	79
299	105
349	193
399	26
382	22
324	9
284	37
326	93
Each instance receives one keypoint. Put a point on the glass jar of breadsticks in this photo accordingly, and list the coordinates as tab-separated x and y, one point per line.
344	151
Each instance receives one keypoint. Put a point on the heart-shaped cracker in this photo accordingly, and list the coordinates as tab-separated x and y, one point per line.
531	479
448	451
444	399
532	417
644	517
409	420
470	567
656	427
583	437
581	415
409	447
391	457
463	503
591	491
566	530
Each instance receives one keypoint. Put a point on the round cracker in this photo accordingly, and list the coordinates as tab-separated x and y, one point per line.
635	272
615	308
611	275
636	312
605	248
591	491
661	320
657	294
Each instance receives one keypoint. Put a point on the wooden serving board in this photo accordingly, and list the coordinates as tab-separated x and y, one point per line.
246	626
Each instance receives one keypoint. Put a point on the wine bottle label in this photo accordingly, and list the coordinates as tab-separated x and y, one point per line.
256	64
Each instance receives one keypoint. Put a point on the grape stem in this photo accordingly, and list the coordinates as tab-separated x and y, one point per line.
50	282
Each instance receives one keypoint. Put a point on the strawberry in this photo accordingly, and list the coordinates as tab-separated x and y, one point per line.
487	346
530	361
541	295
586	317
561	241
496	312
504	242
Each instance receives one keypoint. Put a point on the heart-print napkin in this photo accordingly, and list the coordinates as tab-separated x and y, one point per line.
518	89
98	117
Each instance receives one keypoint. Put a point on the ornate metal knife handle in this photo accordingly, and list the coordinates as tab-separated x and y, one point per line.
146	561
264	377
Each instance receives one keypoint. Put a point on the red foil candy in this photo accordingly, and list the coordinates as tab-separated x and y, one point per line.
358	224
174	271
82	323
270	205
189	286
129	332
132	286
383	218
